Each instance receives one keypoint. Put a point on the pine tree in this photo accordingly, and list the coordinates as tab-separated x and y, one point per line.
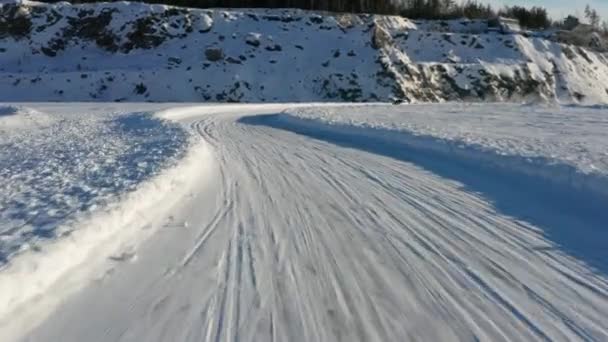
593	17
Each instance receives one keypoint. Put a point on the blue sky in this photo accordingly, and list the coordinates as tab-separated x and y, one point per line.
559	8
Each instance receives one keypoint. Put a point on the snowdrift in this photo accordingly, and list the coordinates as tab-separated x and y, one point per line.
138	52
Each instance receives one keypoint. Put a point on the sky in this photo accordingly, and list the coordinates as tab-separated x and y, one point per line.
558	9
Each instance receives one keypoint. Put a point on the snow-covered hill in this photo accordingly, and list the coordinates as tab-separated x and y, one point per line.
137	52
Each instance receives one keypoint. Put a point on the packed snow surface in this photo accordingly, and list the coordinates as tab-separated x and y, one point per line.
328	223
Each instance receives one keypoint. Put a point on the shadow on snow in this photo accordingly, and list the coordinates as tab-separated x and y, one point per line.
572	219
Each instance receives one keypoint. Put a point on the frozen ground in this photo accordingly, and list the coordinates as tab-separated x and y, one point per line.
333	223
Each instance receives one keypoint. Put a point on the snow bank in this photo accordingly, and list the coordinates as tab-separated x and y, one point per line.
57	268
565	146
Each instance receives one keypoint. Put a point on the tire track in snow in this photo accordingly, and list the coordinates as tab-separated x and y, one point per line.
220	214
314	242
438	218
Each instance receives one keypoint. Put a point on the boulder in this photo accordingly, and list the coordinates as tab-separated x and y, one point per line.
214	54
253	39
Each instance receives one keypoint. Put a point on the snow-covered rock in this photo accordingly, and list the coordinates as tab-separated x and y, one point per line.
253	39
139	52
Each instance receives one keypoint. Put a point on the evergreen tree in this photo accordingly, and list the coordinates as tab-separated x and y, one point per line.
593	17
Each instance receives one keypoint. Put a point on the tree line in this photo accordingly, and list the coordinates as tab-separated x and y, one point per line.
356	6
535	17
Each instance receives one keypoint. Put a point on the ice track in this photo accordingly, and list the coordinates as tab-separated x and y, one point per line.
299	239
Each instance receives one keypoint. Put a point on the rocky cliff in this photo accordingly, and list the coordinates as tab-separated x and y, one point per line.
138	52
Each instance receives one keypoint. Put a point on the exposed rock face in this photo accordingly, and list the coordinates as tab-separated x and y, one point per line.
135	52
15	21
380	37
214	54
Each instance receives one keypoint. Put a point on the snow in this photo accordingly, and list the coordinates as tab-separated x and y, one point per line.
297	222
55	166
14	118
97	242
321	222
76	194
560	143
100	52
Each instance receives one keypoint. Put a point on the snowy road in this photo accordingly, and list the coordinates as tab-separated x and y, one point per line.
302	239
